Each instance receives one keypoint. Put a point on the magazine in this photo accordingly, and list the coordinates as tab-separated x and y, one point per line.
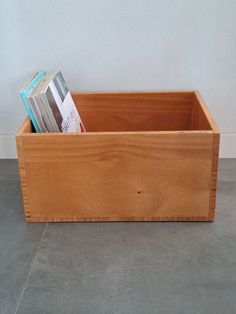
24	93
51	105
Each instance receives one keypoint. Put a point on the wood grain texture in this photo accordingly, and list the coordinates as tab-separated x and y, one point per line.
114	218
135	111
199	119
26	128
125	175
201	104
120	176
214	175
205	120
22	172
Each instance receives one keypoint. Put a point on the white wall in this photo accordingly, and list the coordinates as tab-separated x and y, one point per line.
121	45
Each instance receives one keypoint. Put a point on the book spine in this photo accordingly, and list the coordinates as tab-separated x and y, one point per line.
44	113
37	113
24	96
29	110
49	113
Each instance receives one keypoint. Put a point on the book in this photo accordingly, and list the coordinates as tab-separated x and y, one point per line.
34	99
37	114
62	106
24	93
53	100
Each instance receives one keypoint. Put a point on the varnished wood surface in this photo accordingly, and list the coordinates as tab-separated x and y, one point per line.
26	128
117	176
123	176
211	122
202	119
135	111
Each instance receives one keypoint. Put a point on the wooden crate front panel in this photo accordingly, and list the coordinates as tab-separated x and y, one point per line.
116	176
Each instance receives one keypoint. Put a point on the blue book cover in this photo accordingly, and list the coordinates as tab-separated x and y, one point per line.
25	93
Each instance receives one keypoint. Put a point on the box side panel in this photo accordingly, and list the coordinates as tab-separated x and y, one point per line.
199	119
135	111
118	177
202	119
201	116
23	176
214	175
26	127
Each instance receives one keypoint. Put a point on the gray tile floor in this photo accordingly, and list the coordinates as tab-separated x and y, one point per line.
101	268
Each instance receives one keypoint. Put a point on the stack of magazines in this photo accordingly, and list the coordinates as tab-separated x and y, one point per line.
49	104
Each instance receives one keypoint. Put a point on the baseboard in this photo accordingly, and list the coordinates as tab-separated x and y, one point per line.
7	146
227	146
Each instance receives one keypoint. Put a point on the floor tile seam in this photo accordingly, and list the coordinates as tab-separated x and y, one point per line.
30	271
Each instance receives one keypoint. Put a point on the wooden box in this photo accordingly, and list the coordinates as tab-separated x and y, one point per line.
146	156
